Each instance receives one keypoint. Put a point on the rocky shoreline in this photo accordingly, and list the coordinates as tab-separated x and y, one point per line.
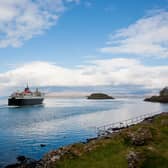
161	98
142	136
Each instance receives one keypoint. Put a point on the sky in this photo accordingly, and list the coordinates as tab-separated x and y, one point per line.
83	43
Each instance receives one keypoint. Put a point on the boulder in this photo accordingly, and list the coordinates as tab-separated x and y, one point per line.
42	145
24	163
139	137
21	158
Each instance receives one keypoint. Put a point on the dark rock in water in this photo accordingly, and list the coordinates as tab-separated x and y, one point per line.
13	165
99	96
42	145
21	158
24	163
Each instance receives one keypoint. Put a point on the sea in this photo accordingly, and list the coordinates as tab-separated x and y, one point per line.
61	121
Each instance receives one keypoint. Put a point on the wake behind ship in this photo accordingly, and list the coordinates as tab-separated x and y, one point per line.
26	98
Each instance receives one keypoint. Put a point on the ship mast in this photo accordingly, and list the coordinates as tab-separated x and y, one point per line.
27	86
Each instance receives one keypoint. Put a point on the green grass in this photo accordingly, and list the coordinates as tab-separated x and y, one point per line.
155	160
111	153
99	158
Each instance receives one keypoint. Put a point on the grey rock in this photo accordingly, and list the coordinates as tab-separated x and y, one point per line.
133	159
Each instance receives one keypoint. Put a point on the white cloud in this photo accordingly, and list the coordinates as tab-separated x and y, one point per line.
21	20
147	37
118	71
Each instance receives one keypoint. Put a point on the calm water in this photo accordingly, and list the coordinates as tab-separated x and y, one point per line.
60	122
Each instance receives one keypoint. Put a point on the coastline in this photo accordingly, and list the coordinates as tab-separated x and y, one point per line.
129	138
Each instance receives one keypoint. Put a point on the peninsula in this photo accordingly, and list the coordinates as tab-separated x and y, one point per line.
161	98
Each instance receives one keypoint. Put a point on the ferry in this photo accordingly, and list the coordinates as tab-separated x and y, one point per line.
26	97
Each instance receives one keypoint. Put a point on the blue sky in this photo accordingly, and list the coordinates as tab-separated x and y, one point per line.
80	33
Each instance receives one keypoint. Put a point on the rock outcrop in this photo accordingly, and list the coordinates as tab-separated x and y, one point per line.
133	159
140	137
99	96
164	92
162	98
24	162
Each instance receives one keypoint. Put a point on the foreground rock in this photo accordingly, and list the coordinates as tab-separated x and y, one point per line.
24	162
134	159
162	98
140	137
99	96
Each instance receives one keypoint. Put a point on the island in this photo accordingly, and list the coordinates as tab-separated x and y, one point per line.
99	96
161	98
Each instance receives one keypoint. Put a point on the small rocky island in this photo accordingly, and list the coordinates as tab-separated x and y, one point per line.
99	96
161	98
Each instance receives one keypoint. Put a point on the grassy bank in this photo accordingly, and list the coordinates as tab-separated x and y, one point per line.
145	143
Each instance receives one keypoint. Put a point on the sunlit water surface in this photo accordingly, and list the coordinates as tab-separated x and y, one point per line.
60	122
